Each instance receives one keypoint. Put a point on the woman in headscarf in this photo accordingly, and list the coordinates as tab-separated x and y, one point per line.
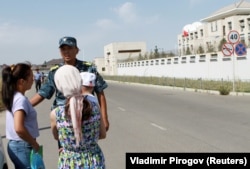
76	125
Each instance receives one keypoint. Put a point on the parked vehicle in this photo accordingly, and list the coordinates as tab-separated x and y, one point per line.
3	160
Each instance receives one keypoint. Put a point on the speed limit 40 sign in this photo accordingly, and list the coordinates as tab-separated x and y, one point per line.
233	37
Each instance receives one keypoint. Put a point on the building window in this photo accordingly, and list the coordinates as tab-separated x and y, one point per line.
214	26
230	26
201	31
242	25
196	35
248	22
248	39
242	38
179	42
130	51
224	31
192	48
191	36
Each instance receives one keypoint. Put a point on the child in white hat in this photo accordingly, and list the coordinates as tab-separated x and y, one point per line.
88	84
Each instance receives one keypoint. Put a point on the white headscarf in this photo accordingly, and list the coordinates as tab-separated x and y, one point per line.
68	81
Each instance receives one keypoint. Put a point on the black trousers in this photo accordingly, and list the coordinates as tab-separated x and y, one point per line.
38	84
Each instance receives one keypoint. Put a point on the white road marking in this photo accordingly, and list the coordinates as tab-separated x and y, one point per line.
121	109
159	127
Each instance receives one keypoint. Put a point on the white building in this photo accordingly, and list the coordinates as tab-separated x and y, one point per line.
121	52
99	62
207	35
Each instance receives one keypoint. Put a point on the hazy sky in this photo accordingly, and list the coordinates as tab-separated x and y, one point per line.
30	29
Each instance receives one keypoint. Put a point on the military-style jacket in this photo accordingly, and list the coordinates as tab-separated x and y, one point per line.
49	88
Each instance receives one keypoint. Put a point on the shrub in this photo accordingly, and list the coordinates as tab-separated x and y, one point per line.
224	90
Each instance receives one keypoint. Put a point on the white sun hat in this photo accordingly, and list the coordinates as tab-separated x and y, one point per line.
88	79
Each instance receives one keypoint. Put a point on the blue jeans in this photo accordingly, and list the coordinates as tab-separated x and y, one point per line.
19	153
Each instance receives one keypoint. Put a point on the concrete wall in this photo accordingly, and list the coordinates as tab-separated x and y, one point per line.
208	66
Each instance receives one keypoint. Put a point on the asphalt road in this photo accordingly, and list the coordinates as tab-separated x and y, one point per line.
160	119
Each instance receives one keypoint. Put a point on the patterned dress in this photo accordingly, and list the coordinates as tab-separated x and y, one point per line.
88	155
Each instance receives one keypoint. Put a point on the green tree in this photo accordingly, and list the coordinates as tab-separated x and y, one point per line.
151	55
163	54
156	52
223	41
188	52
200	50
44	64
140	57
210	49
146	56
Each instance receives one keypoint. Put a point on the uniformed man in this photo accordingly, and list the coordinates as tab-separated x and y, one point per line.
69	50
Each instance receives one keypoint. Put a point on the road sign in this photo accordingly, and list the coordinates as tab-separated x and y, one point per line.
240	49
233	37
227	49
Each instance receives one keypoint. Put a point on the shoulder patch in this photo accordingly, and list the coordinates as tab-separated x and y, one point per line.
54	67
87	63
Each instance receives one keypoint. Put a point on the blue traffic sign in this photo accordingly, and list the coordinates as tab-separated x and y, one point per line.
240	49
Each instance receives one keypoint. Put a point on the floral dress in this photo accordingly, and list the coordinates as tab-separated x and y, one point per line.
88	155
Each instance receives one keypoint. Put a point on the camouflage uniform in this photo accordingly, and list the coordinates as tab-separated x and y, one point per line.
48	89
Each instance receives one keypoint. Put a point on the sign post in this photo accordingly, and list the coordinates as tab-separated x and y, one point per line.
233	38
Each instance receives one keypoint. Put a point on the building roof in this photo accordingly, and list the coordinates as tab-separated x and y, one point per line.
54	61
240	8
